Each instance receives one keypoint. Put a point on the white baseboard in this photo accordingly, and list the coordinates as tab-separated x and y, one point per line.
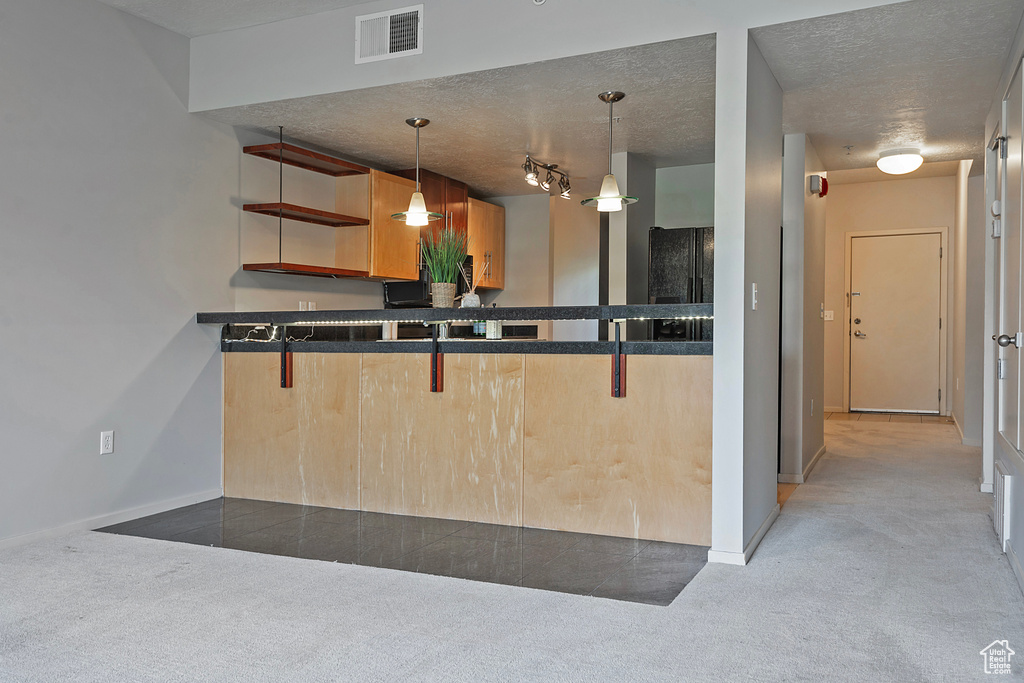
731	557
986	487
801	478
833	409
1018	571
814	461
112	518
956	423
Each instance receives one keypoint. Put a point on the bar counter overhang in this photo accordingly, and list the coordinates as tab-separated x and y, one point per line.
591	436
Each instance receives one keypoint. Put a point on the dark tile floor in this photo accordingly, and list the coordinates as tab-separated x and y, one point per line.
618	568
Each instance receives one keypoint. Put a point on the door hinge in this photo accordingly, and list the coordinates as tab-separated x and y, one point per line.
940	252
1000	373
1002	147
940	395
940	323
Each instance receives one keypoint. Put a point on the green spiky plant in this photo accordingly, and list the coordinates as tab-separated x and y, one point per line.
444	252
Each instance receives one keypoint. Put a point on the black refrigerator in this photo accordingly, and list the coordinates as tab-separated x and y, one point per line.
681	270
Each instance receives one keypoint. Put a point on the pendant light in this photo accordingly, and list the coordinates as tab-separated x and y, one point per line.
417	215
610	198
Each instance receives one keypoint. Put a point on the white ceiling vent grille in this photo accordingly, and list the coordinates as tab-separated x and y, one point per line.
386	35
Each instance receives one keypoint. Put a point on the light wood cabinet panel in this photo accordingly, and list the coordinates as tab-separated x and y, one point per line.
389	248
298	445
456	454
394	246
486	231
638	466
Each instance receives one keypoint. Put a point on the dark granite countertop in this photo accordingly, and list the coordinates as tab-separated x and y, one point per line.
631	312
358	331
633	348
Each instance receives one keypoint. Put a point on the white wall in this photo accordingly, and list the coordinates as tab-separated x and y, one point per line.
575	254
315	54
803	268
685	196
883	205
119	227
958	293
527	255
748	215
974	321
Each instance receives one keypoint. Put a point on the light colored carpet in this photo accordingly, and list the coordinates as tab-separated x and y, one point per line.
883	567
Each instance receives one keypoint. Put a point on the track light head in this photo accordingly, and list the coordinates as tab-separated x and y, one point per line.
563	188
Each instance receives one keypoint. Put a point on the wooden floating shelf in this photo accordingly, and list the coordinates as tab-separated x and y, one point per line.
300	269
304	158
305	214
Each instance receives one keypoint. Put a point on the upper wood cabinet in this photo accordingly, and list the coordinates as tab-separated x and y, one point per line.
442	195
486	231
386	248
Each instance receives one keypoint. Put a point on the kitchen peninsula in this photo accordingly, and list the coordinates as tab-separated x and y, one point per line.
528	433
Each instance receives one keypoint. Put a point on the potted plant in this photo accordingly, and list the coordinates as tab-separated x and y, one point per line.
444	252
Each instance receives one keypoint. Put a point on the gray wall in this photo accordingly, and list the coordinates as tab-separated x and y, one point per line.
748	146
763	221
119	227
802	293
685	196
575	265
975	342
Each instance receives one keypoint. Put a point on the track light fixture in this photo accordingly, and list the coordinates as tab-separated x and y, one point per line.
533	168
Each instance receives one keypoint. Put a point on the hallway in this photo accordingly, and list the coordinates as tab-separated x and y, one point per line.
883	566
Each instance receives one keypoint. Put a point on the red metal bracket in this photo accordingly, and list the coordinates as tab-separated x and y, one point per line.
436	365
618	368
286	369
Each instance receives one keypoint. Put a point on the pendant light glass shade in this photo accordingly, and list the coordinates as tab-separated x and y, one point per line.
610	198
900	161
417	214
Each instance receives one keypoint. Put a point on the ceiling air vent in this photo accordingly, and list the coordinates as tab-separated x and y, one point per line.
386	35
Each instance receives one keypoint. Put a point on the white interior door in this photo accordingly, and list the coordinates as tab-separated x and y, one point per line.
895	318
1010	267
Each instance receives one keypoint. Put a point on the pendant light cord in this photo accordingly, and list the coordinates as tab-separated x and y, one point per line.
417	159
611	106
280	194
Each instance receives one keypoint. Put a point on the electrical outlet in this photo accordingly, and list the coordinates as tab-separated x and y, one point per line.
311	305
303	306
106	443
830	316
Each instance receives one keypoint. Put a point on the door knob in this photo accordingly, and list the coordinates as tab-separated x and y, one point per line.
860	334
1005	340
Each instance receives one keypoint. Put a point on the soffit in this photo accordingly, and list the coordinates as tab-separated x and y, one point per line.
484	123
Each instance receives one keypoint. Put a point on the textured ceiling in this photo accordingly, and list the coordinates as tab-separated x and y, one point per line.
870	175
914	74
484	123
199	17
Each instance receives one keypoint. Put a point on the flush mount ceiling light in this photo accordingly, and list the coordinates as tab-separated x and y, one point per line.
533	168
900	161
417	214
610	198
